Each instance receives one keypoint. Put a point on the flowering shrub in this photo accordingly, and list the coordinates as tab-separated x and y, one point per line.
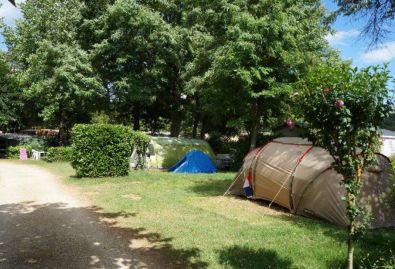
344	108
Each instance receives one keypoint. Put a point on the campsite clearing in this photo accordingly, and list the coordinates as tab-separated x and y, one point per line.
187	218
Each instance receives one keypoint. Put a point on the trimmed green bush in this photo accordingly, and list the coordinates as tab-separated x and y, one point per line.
101	150
13	152
58	154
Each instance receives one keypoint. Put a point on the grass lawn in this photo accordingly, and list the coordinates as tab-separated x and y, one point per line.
186	218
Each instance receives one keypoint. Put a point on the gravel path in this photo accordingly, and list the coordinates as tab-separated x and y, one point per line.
43	224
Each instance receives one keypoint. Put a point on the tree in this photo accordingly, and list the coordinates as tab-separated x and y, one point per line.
344	108
175	59
379	13
10	96
131	42
248	54
143	44
55	72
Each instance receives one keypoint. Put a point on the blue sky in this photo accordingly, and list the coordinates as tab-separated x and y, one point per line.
349	42
347	38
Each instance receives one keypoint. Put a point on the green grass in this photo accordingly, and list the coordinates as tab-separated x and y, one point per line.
185	218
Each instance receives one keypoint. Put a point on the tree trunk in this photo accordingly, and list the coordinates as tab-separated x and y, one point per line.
176	110
204	129
175	127
136	117
352	204
254	125
195	126
350	253
62	127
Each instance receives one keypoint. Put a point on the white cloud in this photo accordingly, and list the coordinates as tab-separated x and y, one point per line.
341	37
384	53
9	12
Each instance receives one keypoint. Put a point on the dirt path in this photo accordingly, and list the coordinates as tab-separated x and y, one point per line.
44	225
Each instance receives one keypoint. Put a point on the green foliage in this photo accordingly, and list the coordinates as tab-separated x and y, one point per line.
101	150
36	143
100	118
14	151
140	143
55	73
143	56
10	96
254	51
59	154
344	108
212	65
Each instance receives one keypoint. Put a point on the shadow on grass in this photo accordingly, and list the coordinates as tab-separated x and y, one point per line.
371	247
238	257
56	235
212	187
375	247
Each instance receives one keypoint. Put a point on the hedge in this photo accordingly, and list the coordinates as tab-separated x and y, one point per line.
101	150
13	152
58	154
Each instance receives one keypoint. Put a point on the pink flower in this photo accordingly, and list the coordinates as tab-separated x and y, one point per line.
290	123
339	103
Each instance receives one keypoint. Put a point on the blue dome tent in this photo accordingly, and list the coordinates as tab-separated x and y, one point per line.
194	162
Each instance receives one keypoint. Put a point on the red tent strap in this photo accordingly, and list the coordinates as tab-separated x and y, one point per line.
304	154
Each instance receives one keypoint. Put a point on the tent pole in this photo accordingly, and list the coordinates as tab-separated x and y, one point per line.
291	175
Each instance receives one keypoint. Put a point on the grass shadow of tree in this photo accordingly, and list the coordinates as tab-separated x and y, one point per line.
238	257
56	235
370	247
374	247
211	187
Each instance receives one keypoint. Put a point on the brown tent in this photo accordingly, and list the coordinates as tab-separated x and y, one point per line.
292	173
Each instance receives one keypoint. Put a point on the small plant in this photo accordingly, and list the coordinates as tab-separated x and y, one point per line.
58	154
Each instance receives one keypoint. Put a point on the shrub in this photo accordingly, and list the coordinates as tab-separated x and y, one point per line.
100	150
140	142
13	151
36	143
58	154
344	108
